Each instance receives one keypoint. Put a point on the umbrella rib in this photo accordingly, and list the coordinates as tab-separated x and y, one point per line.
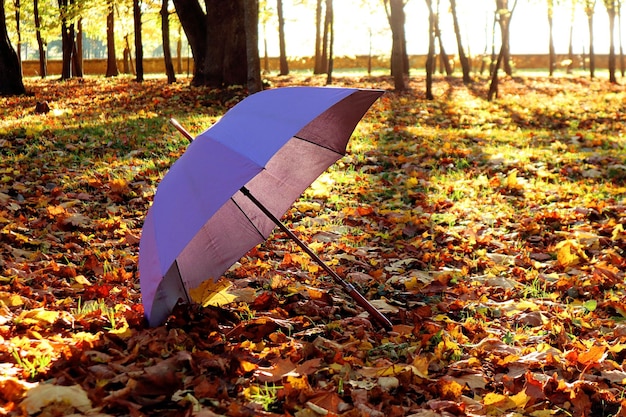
318	145
246	216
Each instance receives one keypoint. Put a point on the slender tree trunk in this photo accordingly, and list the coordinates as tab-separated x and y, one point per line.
443	56
112	70
251	18
324	59
138	41
43	67
504	54
465	65
589	10
10	69
552	59
284	66
179	50
622	67
77	51
18	29
610	6
319	67
331	40
504	14
165	33
570	48
430	59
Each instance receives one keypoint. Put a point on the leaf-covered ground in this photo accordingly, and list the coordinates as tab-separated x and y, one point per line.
491	234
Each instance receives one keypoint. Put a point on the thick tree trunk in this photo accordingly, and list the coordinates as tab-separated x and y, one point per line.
43	67
396	19
167	52
284	66
217	39
465	65
10	69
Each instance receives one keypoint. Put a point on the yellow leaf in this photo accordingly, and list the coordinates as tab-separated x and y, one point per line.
420	366
39	315
123	332
450	389
10	299
520	399
511	180
43	395
568	253
214	293
493	398
304	206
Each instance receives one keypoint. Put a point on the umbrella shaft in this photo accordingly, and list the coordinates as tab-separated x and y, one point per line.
349	288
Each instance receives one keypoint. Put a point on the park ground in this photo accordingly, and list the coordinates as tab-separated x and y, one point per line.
490	233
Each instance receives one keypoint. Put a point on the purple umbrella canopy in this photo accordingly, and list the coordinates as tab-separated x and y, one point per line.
271	146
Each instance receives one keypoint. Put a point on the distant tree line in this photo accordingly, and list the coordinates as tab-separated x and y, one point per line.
223	36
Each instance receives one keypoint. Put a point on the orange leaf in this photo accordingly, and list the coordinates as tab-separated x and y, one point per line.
595	354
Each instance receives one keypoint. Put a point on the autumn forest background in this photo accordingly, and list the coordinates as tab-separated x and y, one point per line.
482	210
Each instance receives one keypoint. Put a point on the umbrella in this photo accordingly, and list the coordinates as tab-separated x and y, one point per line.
225	194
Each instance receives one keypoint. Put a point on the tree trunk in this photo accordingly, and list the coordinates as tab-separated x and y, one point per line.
622	67
179	50
324	60
138	42
610	7
430	59
217	40
331	40
319	67
284	66
10	69
43	67
67	40
570	48
17	5
251	20
167	52
504	14
77	51
112	70
396	22
552	54
465	65
589	10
